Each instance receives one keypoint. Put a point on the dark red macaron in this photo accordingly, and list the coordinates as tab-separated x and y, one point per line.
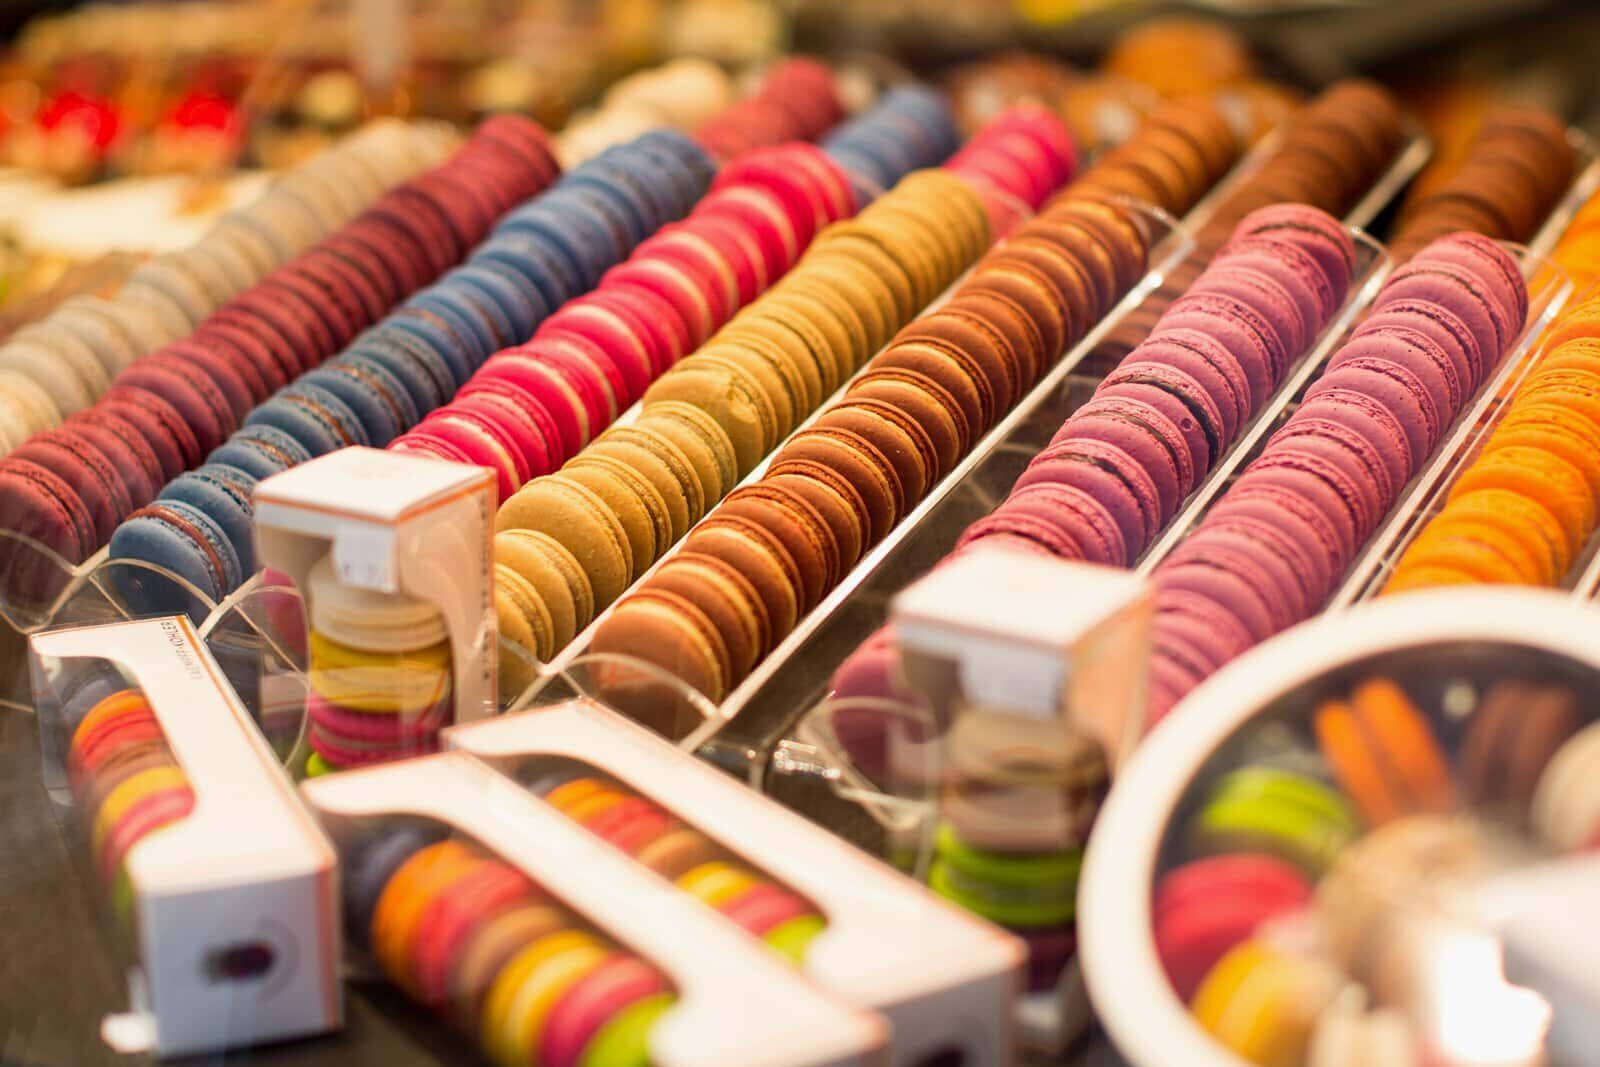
94	477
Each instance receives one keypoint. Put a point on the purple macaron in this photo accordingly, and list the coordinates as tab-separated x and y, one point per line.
1111	476
1082	517
1320	234
1458	290
1445	327
1210	363
1183	399
1398	390
1417	353
1144	432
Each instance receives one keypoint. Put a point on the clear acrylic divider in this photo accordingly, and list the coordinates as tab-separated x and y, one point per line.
1550	289
258	637
1372	267
868	770
791	677
36	583
642	691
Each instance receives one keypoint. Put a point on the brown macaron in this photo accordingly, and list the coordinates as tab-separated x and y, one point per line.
759	555
1117	232
1067	277
958	373
727	598
804	532
1004	368
862	464
893	433
930	404
833	497
662	628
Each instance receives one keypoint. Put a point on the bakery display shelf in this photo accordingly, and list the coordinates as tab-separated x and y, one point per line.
1372	267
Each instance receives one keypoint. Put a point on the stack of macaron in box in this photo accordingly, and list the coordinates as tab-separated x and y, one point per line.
1329	153
168	411
1295	870
839	486
685	856
379	672
796	100
753	382
1271	550
1523	509
125	781
471	938
1121	466
399	374
1503	186
1017	799
72	355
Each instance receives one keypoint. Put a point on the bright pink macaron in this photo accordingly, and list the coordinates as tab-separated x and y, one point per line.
1206	907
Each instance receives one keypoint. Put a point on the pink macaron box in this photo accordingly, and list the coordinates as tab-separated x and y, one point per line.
1362	843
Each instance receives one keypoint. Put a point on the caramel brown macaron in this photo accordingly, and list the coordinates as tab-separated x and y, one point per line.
896	435
802	529
832	496
728	599
1006	370
861	464
662	628
933	407
760	556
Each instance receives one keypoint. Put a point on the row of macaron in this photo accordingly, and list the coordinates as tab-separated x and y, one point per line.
1504	185
665	301
1120	467
1270	550
166	412
473	939
755	381
125	780
1277	843
1326	155
523	417
72	355
900	427
1523	509
400	374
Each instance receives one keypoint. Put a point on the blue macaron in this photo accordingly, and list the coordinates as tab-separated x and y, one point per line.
380	417
425	372
469	292
223	494
313	416
690	152
521	306
629	171
182	540
545	268
455	332
683	182
585	242
597	190
371	860
260	451
83	684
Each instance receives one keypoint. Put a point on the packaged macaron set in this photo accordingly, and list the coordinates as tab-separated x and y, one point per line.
1350	845
153	761
540	943
863	933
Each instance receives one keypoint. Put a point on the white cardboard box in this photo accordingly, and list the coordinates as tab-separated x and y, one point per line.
738	1004
944	980
396	523
248	870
